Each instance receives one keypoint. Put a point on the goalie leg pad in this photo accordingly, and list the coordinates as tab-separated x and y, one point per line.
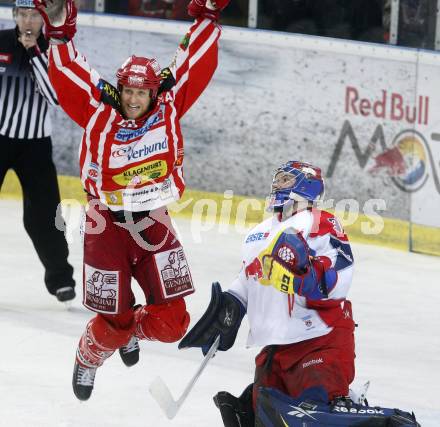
166	322
275	409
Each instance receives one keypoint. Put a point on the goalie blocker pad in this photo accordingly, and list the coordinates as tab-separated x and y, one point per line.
275	409
222	317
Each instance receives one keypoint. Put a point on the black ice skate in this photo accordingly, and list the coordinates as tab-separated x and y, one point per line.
83	381
130	353
67	293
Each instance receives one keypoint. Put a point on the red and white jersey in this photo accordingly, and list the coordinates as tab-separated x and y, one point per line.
276	317
134	165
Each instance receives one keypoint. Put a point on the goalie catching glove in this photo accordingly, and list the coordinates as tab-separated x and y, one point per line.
59	17
223	317
288	266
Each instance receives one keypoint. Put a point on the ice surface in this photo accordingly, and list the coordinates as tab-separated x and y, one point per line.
396	300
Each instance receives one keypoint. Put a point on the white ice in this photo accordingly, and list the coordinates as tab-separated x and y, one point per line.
396	300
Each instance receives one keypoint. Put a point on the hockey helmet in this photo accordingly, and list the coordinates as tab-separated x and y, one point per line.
141	73
295	181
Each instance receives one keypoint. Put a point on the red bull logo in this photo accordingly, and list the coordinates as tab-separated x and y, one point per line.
409	161
406	162
254	269
391	160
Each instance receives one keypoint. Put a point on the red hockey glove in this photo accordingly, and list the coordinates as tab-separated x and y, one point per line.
60	24
206	8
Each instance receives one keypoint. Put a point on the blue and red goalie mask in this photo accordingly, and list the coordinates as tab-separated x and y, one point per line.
295	182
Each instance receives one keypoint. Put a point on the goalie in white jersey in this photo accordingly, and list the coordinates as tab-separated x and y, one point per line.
296	272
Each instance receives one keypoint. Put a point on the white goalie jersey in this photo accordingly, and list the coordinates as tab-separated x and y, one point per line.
276	317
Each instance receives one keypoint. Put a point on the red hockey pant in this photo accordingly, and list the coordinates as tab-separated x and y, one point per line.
326	361
143	247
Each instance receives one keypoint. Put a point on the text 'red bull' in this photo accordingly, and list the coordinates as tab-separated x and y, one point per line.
390	106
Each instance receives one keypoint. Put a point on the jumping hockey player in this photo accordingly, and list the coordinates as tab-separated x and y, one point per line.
296	272
131	159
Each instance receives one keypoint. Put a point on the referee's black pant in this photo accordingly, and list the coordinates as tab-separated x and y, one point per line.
32	162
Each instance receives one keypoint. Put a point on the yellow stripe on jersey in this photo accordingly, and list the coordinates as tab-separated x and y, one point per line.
274	273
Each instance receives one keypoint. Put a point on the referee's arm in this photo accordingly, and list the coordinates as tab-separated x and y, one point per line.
39	61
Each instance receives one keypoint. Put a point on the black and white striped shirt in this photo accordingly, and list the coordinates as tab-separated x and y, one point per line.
25	90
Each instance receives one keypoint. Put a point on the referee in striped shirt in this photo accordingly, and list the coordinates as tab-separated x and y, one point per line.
25	143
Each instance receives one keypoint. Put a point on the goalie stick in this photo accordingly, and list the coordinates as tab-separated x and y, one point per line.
162	395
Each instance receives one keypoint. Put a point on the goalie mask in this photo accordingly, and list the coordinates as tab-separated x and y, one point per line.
295	182
140	73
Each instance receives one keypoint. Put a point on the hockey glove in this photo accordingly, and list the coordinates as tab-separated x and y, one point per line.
206	8
223	317
288	266
59	17
318	280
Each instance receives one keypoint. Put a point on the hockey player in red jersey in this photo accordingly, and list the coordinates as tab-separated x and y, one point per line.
296	273
131	158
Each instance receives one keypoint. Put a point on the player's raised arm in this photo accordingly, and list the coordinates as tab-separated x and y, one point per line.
74	81
196	58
